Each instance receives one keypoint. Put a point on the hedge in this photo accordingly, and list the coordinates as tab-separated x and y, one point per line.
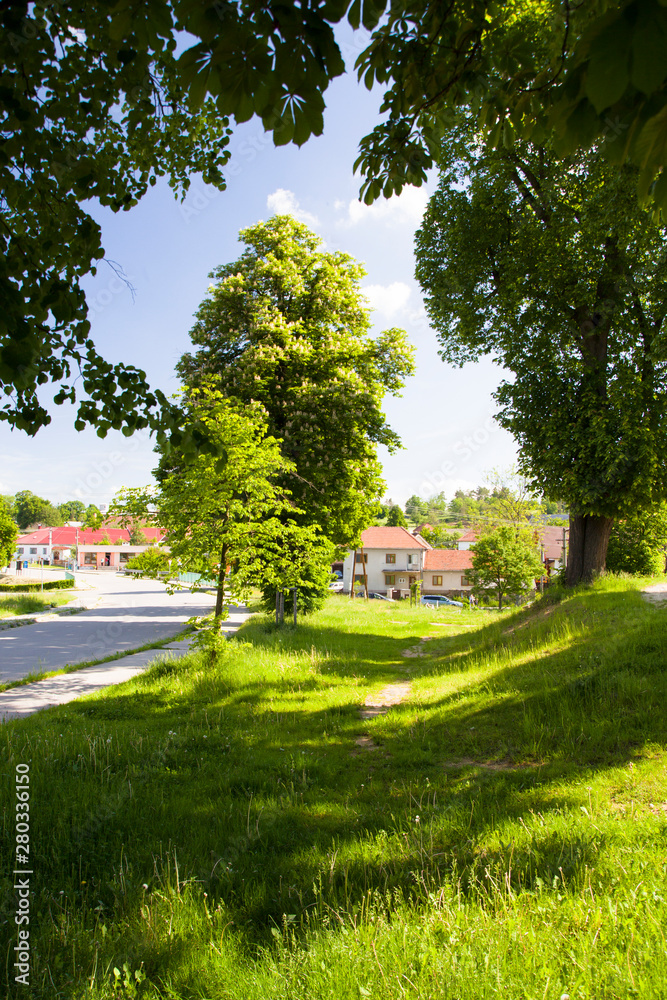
10	588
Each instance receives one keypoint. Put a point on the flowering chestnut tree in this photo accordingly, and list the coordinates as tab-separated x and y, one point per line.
286	326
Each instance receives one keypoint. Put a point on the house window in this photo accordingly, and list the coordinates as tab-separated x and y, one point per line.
390	558
465	582
358	579
362	557
20	551
44	551
390	579
437	581
90	558
413	560
33	552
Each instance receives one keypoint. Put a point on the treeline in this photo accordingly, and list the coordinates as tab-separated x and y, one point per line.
27	509
499	504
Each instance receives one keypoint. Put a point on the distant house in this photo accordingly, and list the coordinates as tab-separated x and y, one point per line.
79	548
549	538
393	558
446	571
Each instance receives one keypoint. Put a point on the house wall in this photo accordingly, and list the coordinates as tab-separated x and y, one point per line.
452	582
377	567
94	556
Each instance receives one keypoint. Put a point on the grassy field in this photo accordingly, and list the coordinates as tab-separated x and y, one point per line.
30	603
236	830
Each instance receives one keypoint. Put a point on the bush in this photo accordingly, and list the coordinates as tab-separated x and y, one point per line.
12	588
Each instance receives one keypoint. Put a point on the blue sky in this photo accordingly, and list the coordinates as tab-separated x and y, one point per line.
167	249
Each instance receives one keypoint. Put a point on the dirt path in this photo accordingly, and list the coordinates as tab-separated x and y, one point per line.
379	704
656	593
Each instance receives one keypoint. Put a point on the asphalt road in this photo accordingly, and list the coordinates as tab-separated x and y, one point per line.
122	614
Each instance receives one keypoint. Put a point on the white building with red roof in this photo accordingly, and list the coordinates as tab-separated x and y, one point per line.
393	558
81	548
446	571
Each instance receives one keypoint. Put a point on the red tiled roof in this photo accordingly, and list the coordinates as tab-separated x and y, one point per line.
469	536
445	559
391	538
84	536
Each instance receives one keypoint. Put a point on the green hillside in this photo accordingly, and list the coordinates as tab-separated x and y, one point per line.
237	830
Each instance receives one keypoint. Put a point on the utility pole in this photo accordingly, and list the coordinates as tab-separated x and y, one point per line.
363	565
354	566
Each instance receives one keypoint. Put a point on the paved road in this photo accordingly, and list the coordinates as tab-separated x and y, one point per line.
123	615
21	701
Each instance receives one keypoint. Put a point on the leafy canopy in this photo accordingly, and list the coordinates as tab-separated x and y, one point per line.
287	327
98	101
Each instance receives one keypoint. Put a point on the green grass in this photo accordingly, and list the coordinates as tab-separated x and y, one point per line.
27	604
216	828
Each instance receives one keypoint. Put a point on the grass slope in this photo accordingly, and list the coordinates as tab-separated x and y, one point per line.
217	829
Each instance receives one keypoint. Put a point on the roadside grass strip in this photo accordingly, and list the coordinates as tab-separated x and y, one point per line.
234	828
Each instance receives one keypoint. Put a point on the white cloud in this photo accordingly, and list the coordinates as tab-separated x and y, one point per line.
387	299
406	208
283	202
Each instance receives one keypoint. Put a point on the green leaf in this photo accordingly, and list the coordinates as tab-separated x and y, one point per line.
649	52
650	147
608	72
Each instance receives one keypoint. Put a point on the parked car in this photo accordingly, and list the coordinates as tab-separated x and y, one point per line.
336	586
439	600
373	595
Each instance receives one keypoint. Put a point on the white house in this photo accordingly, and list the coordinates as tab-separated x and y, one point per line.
446	572
392	559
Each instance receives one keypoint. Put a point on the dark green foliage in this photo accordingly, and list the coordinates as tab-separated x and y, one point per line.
638	543
30	509
13	588
396	518
8	532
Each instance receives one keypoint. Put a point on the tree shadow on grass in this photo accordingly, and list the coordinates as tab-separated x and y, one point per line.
271	814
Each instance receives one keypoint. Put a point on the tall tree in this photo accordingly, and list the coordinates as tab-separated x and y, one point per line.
31	509
396	518
72	510
550	265
286	327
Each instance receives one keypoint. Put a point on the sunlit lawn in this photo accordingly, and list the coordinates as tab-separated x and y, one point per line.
222	830
30	603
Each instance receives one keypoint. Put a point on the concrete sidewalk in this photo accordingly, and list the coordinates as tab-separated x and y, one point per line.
21	701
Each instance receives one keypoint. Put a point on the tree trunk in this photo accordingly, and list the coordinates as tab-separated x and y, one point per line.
220	594
587	552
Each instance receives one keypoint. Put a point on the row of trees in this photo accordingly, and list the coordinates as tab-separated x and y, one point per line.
28	509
